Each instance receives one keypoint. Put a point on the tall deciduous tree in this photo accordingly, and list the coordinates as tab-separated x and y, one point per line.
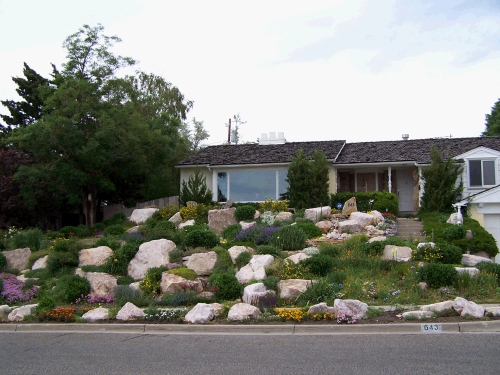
492	121
102	137
308	180
441	186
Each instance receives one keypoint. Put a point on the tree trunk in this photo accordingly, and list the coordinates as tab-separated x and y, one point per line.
90	206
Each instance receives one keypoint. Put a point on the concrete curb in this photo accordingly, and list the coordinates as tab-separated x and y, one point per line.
284	329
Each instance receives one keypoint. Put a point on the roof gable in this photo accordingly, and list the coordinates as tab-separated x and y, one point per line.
480	152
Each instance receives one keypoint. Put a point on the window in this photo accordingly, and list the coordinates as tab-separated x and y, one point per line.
251	185
482	173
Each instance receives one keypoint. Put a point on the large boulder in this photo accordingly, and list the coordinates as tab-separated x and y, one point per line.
283	215
176	218
96	315
255	269
349	226
129	311
218	220
318	213
350	206
254	293
325	225
150	254
235	252
292	288
351	307
468	308
101	284
200	314
474	260
417	315
298	257
244	225
473	271
397	253
171	284
96	256
187	223
17	259
438	307
243	311
201	263
321	308
140	215
363	219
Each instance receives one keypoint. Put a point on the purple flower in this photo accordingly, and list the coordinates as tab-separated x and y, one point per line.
13	289
259	234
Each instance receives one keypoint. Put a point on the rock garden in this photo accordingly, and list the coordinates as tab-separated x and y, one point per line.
253	263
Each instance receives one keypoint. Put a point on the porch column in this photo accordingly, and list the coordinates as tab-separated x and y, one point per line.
376	181
389	183
214	185
421	184
355	182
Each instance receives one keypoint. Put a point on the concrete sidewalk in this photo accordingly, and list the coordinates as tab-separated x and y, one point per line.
424	327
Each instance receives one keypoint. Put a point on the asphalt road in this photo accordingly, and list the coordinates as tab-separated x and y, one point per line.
129	353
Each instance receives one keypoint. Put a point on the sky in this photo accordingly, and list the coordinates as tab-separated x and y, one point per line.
354	70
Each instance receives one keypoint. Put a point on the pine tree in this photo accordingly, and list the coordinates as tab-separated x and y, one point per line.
441	187
492	121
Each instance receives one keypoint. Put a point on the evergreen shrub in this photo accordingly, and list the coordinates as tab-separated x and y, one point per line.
319	265
244	213
491	268
184	272
438	275
268	250
202	238
289	237
118	218
71	287
58	261
32	238
3	261
454	232
450	254
230	232
108	241
226	284
310	229
114	230
243	259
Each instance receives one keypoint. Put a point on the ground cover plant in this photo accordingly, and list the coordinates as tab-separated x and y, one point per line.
352	269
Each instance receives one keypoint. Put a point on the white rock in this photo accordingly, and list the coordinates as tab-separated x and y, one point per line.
417	315
218	307
235	252
202	263
17	259
352	307
425	244
255	292
96	315
150	254
349	226
298	257
140	215
325	225
474	260
19	313
243	311
255	269
473	271
200	314
318	213
333	235
292	288
187	223
176	218
321	308
363	219
397	253
129	311
378	216
438	307
171	284
245	225
493	311
101	284
468	308
283	215
40	263
376	239
96	256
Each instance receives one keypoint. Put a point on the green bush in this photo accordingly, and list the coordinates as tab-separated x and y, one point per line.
125	280
71	287
3	261
202	238
244	213
184	272
451	254
175	256
438	275
166	212
118	263
268	250
45	303
491	268
230	232
310	229
224	261
243	259
383	201
58	261
124	294
150	285
111	242
329	249
319	265
271	283
226	284
453	232
318	291
114	230
32	238
166	225
289	237
116	219
80	231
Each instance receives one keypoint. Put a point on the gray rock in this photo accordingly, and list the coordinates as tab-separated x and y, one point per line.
473	271
438	307
187	223
17	259
96	315
318	213
202	263
174	284
321	308
474	260
176	218
292	288
235	252
284	215
101	284
363	219
129	311
4	311
245	225
96	256
349	226
19	313
397	253
218	220
151	254
40	263
200	314
255	292
296	258
352	307
419	315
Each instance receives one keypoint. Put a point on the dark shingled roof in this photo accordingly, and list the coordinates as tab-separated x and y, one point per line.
260	154
417	150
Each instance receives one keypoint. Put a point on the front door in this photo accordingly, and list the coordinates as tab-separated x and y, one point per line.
405	185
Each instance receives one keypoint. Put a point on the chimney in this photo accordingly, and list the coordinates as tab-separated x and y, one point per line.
405	137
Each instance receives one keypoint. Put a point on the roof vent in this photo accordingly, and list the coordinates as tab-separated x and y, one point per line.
271	139
405	137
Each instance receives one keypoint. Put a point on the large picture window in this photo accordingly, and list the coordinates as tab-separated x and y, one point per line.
251	185
482	173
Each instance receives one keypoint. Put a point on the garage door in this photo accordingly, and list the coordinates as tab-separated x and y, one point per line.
492	225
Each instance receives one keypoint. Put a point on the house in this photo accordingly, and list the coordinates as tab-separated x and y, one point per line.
254	172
